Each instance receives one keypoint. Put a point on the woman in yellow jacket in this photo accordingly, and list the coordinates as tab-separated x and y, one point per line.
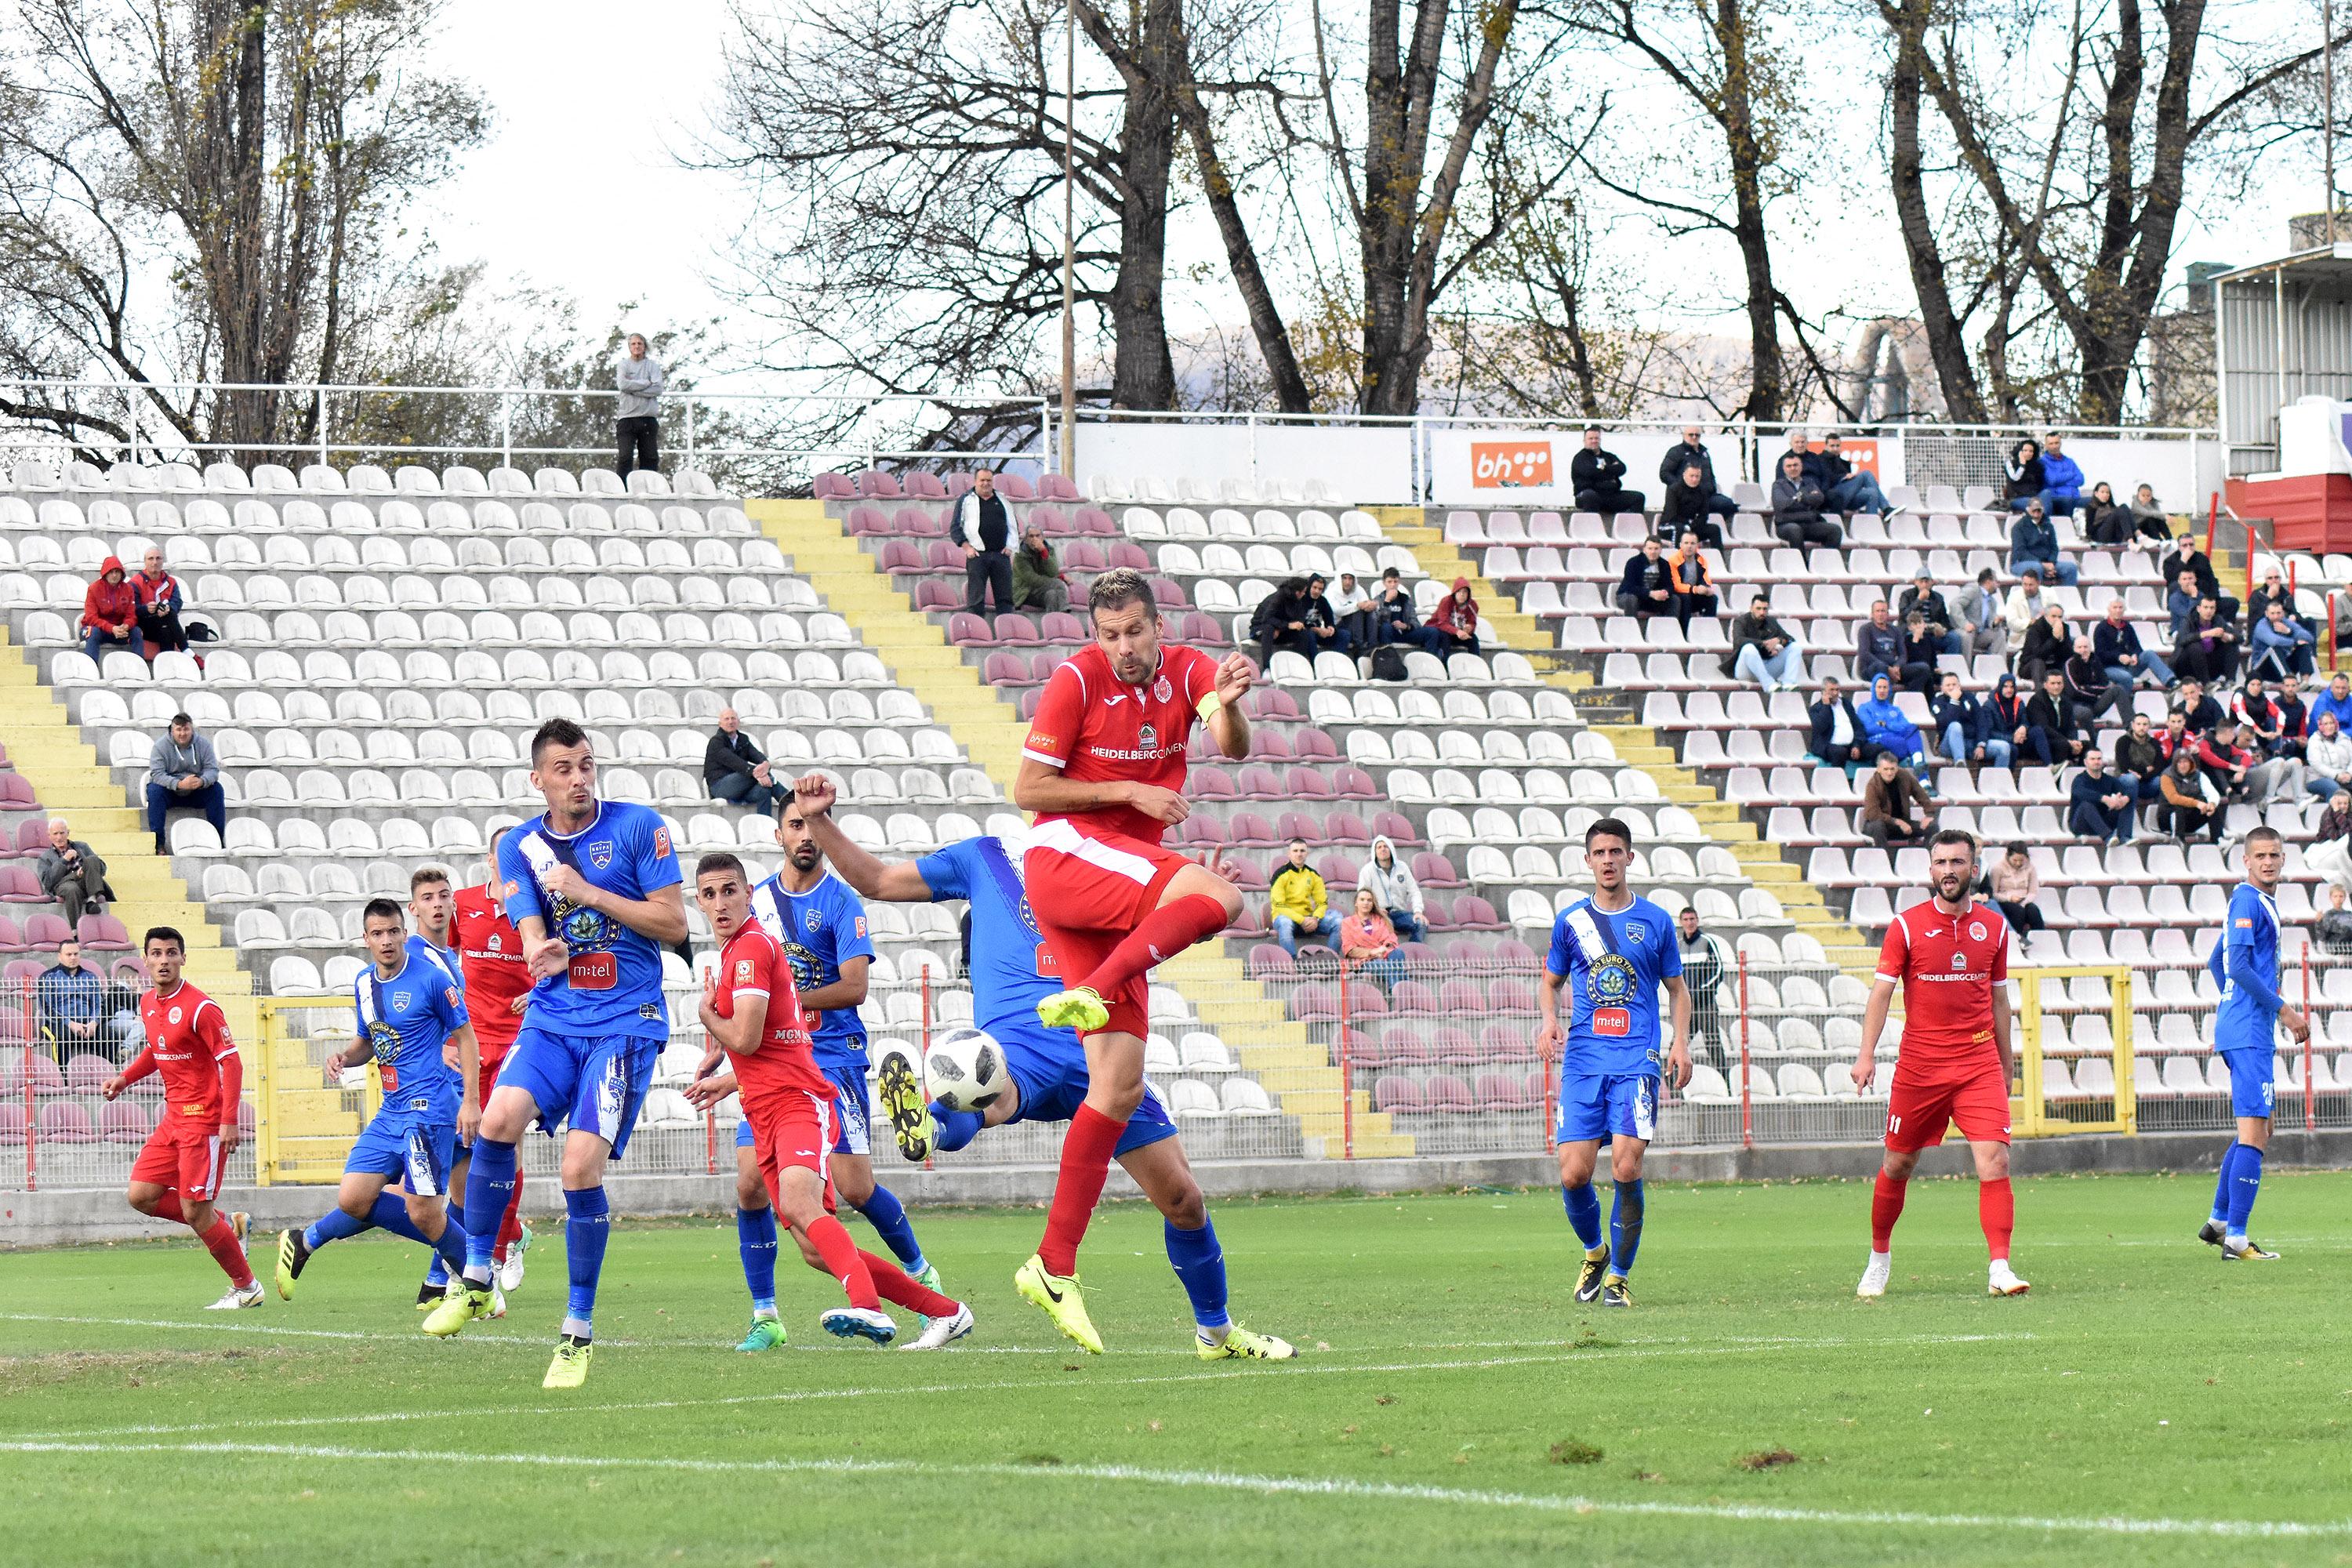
1301	906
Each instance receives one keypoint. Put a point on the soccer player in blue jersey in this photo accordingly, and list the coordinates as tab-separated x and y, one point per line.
2245	963
1009	975
593	887
1617	951
410	1004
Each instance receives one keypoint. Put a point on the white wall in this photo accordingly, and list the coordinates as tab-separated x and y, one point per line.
1364	465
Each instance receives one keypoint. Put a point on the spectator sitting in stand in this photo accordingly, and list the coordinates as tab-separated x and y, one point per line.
2206	649
1393	617
1299	903
2257	716
72	1007
1352	602
161	600
736	771
71	872
1849	489
1895	812
1646	590
1963	726
1453	625
2061	478
1368	941
2024	475
2187	557
2230	765
1689	452
2201	713
2005	718
1797	503
2336	700
1877	645
1693	585
183	770
1399	890
2334	927
1922	597
2015	885
2138	757
2329	853
2148	519
1279	625
2048	646
2088	686
1887	730
1983	625
2282	645
2273	588
2176	737
1321	619
2101	803
2052	731
1921	649
2191	802
1836	738
2107	521
1037	573
2329	758
2116	643
109	614
2294	726
2024	605
1704	963
2033	541
1765	651
1598	477
1690	505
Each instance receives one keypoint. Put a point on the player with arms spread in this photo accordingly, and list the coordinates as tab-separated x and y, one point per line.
177	1173
1950	955
1618	949
593	888
2245	965
1103	768
1047	1067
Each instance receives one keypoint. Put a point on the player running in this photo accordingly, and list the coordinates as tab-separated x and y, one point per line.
1952	956
497	989
1102	768
409	1005
2245	963
1619	948
593	888
177	1173
1047	1067
752	1011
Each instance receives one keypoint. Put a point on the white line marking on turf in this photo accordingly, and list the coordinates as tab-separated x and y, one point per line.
230	1327
1224	1480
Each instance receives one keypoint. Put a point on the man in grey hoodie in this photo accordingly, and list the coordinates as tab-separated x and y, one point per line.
637	422
1393	883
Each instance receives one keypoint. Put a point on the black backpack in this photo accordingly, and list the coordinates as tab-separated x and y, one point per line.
1388	663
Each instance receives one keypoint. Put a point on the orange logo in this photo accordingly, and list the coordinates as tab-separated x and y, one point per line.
1510	465
661	843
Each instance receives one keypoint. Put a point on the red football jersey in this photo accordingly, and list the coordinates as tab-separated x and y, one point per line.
753	964
1947	967
489	950
1097	728
187	1036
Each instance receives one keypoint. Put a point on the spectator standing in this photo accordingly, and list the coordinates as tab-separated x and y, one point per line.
161	600
2282	645
1704	963
1693	582
1922	597
1895	812
1887	730
2061	478
1280	625
71	1006
1399	890
2107	521
2329	757
1646	588
1369	941
2052	731
1765	651
983	524
1037	573
109	614
1299	903
1690	504
1877	645
2025	605
2116	642
1983	625
1849	489
736	771
2033	541
2024	475
1797	503
1453	625
1597	476
2148	518
1837	739
1352	602
1393	617
183	770
1688	453
2100	804
2048	646
2139	758
637	423
2191	802
71	873
2334	927
2206	647
2015	887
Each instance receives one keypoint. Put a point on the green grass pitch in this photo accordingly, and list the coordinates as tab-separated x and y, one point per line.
2146	1404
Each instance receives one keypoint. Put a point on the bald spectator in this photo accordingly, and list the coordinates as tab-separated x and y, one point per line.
1691	453
183	770
72	1007
637	423
161	600
71	873
736	770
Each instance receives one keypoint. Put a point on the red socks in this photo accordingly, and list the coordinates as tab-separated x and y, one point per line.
1165	932
221	1242
1086	1165
1886	1208
893	1283
844	1261
511	1227
1997	1212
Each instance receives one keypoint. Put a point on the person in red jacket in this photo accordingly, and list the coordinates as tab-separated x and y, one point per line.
1453	625
109	614
159	604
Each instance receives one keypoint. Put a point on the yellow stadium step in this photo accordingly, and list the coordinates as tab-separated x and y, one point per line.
919	658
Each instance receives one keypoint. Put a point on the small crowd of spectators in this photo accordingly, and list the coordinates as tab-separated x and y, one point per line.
1300	616
1384	914
138	613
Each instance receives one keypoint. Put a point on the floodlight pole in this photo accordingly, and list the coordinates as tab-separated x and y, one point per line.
1069	319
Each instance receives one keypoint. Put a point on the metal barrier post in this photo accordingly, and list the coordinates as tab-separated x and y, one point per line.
320	408
2031	1123
32	1127
265	1093
1347	1075
927	1032
2119	987
689	429
506	430
2310	1099
2331	629
1746	1103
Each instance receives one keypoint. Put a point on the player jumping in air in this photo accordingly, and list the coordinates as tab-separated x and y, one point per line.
1619	948
752	1011
1950	954
593	888
410	1005
1103	768
497	990
177	1173
2245	963
1047	1067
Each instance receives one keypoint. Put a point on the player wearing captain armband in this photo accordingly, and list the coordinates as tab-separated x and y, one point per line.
2245	965
1613	952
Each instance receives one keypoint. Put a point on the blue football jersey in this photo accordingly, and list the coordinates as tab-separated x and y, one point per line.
615	984
1613	965
2246	1020
1009	961
820	931
407	1019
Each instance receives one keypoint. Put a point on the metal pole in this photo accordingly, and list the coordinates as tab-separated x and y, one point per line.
322	426
1069	240
1747	1105
506	430
1347	1076
689	429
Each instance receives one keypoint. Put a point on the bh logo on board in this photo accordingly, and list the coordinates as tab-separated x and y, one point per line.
1510	465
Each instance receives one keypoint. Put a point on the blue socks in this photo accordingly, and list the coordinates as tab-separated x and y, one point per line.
888	1216
390	1212
2221	1183
1584	1213
584	1234
1624	1226
755	1238
952	1129
2245	1182
1199	1265
490	1183
336	1226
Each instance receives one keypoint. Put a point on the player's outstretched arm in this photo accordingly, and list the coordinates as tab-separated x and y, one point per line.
141	1067
896	882
1874	1024
1227	724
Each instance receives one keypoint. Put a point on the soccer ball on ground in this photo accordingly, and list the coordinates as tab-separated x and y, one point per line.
965	1070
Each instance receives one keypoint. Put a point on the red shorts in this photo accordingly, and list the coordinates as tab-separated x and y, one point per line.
1919	1109
792	1127
486	1071
183	1155
1088	895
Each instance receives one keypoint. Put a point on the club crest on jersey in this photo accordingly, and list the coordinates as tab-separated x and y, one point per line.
400	1000
1976	930
813	919
1636	930
742	971
600	854
661	843
175	1015
1163	691
496	941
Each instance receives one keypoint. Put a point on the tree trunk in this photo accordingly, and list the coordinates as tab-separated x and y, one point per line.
1767	376
1947	347
1143	375
1397	105
1274	345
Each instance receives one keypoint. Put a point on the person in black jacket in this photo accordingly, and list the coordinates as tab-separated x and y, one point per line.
983	524
1797	503
2023	473
736	770
1837	739
1692	449
1393	617
1646	589
1281	623
2053	735
1690	508
1597	476
2187	557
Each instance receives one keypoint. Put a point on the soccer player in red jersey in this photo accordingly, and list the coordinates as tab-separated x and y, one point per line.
1103	768
1951	956
177	1174
497	989
752	1011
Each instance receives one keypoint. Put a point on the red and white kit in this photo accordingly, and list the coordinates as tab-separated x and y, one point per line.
787	1099
489	953
189	1043
1949	1070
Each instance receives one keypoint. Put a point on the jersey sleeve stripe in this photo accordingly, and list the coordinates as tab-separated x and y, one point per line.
1049	760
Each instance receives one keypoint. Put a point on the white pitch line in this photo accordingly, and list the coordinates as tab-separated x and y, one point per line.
1291	1485
230	1327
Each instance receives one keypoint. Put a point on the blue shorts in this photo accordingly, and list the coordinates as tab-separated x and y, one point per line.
404	1145
850	1108
1054	1080
1617	1105
593	1083
2252	1086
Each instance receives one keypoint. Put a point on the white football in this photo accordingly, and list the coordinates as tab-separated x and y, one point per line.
965	1069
